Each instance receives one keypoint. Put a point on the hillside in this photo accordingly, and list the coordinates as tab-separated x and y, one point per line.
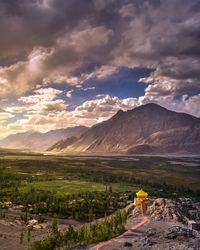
32	140
148	129
166	226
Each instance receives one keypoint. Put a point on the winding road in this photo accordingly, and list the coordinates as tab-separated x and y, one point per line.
134	227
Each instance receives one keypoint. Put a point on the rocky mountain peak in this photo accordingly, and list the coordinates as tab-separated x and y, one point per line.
147	129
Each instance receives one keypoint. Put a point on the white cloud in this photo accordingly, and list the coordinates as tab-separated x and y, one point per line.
88	114
43	100
97	110
173	77
61	78
5	116
101	72
88	88
69	93
17	109
103	107
42	94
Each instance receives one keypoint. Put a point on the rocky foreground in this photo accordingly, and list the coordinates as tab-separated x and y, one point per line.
167	228
164	209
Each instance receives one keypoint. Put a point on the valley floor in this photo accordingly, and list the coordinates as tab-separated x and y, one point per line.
104	183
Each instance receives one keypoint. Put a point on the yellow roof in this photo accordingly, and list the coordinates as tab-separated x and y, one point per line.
142	193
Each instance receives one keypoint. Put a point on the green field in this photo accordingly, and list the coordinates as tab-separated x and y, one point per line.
66	187
78	174
116	169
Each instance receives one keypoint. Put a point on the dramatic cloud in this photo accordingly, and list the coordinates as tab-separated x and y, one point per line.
53	51
43	100
174	77
88	114
103	107
60	38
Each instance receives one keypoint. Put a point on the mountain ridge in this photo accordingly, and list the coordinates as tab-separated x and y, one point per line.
34	140
149	128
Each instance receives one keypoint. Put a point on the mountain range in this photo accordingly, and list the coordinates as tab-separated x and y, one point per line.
33	140
147	129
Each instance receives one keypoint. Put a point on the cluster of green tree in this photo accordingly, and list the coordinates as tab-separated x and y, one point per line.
83	207
93	169
17	180
101	230
169	191
9	180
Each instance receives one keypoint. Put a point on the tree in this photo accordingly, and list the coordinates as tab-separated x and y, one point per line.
54	226
29	235
110	188
21	238
90	215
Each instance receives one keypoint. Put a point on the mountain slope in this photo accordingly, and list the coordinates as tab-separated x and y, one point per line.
63	144
146	129
39	141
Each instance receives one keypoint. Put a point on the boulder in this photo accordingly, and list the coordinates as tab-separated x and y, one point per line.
32	222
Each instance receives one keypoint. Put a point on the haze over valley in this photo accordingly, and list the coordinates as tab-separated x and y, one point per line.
33	140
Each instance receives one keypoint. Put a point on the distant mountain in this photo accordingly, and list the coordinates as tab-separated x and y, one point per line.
148	129
32	140
63	144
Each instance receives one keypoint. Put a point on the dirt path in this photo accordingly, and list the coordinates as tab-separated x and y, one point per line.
134	227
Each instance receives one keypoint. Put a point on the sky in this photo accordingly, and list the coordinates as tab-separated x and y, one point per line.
65	63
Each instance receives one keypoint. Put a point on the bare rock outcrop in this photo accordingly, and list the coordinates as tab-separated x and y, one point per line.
164	209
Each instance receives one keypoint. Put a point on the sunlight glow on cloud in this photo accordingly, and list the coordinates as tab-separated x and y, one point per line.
60	66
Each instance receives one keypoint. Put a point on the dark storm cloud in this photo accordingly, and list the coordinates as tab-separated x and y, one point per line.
51	40
25	24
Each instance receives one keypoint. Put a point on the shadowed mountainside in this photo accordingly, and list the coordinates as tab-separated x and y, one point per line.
148	129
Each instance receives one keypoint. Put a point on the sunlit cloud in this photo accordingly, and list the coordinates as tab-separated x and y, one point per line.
61	65
5	116
42	101
69	93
